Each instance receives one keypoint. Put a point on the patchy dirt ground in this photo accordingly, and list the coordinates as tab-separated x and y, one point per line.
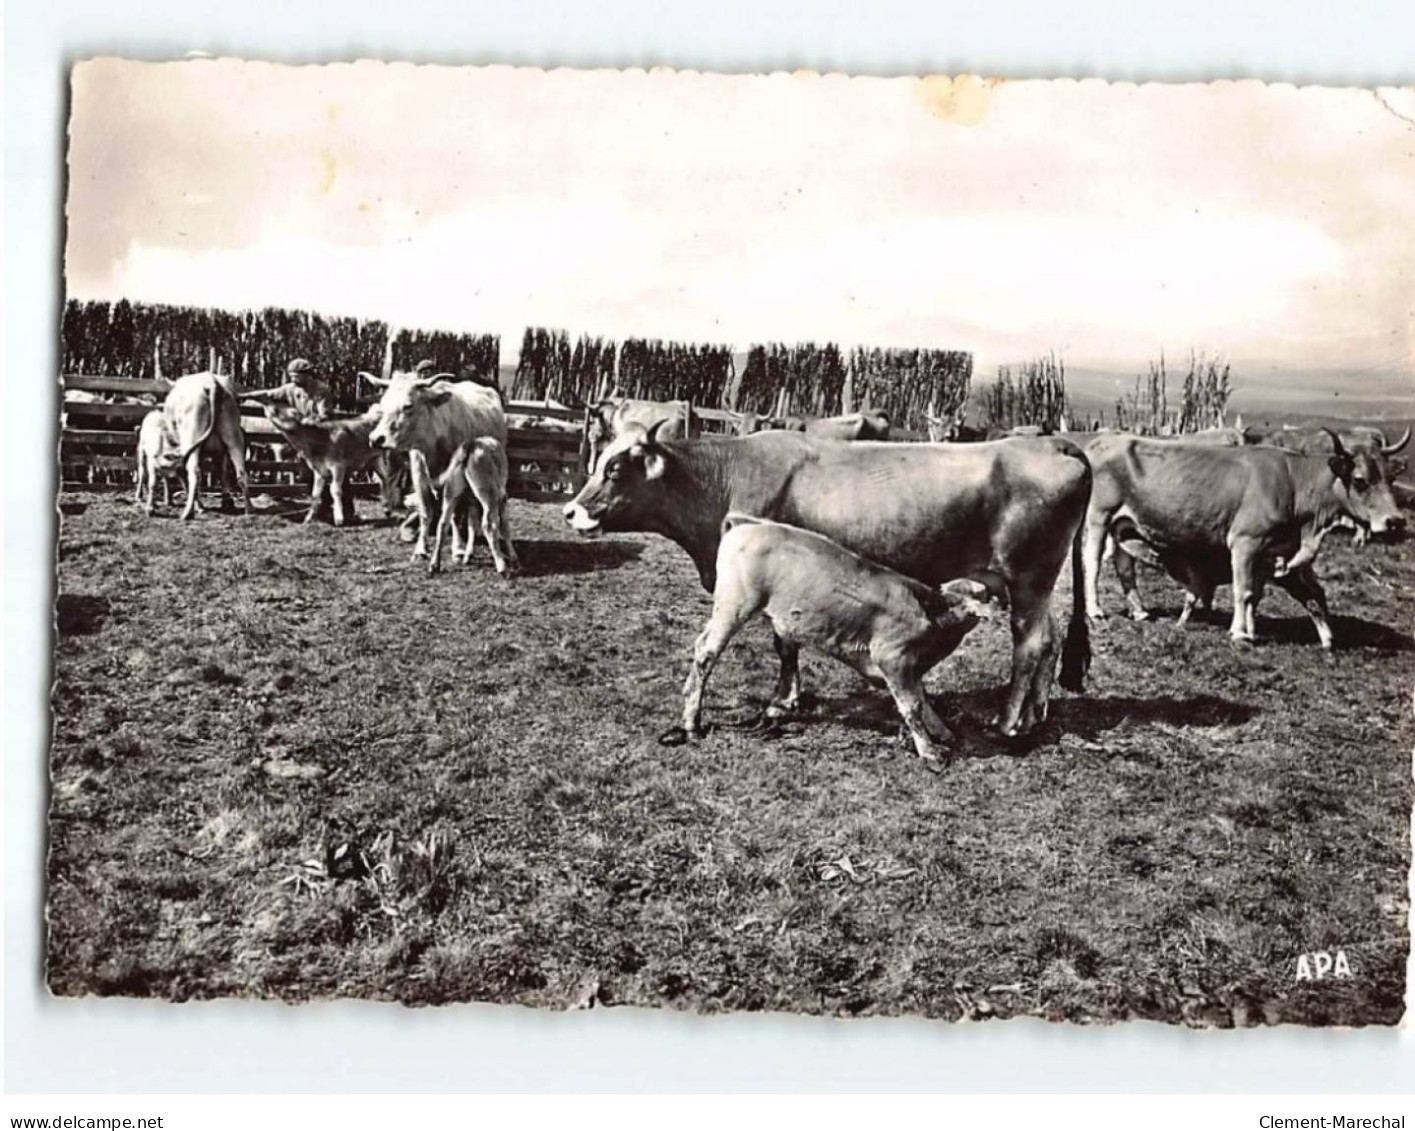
289	764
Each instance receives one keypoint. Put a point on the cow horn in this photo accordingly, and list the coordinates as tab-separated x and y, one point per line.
372	380
1335	441
1391	449
651	437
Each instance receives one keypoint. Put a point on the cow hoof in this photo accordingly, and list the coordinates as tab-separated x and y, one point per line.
678	736
309	520
1139	614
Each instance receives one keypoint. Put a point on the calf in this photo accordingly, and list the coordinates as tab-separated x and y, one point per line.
888	627
481	466
158	458
332	449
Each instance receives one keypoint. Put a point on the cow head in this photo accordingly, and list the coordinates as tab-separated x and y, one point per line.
625	485
1363	481
403	408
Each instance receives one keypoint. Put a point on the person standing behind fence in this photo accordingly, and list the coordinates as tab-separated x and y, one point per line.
304	390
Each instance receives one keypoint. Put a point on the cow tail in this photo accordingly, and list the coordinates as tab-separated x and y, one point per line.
213	403
1076	651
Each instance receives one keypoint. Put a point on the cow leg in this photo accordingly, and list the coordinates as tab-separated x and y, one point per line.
1097	539
235	441
1242	554
1303	586
787	699
1034	711
1032	644
142	470
464	533
1125	571
193	484
336	489
727	618
316	496
423	497
1191	599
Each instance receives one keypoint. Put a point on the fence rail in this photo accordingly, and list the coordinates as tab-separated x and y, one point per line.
98	441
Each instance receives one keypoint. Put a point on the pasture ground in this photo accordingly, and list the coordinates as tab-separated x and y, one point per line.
288	764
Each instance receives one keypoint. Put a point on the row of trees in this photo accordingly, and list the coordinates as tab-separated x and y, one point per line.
146	341
1203	399
1033	393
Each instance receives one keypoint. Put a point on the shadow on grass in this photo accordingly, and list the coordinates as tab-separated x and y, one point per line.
1347	633
548	557
78	614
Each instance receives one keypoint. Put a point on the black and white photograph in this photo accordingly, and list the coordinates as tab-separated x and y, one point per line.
800	543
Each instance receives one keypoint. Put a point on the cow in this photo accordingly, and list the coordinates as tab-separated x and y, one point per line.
871	424
1215	515
430	417
157	459
202	414
331	449
1004	514
888	627
1317	442
952	430
607	420
479	465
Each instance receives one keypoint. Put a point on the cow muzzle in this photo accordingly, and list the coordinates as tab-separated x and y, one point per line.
580	519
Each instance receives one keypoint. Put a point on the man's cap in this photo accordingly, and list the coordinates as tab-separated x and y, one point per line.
299	365
426	365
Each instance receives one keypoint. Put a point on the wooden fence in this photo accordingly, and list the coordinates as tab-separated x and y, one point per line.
98	441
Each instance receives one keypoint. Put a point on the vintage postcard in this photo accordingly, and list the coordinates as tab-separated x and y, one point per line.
807	543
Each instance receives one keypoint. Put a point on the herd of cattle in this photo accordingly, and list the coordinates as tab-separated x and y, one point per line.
883	554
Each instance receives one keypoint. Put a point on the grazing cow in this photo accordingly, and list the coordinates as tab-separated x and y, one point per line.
480	465
888	627
430	418
158	459
607	421
331	449
202	414
1214	515
1358	438
1003	513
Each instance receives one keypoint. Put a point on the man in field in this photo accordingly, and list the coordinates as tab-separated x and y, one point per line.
304	391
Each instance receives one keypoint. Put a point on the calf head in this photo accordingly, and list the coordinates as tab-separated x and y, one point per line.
1363	486
626	488
962	603
598	431
404	409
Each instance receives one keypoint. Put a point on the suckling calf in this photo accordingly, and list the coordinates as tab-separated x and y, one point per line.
158	459
480	467
332	449
888	627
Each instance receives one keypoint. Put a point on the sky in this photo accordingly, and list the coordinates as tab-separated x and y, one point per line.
1270	225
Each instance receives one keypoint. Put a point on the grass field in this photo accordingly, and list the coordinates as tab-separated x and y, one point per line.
289	764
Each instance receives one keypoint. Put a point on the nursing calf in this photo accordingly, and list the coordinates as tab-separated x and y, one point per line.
158	459
479	467
888	627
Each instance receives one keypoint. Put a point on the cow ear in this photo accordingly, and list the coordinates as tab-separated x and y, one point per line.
655	463
436	397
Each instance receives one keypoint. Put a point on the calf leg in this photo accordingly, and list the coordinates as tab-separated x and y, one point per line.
451	493
728	616
316	495
336	488
925	727
1303	585
142	471
788	684
504	526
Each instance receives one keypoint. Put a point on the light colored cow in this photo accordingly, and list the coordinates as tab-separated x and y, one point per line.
202	413
888	627
430	418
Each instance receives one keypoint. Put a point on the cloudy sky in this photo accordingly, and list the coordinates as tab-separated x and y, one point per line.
1272	225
